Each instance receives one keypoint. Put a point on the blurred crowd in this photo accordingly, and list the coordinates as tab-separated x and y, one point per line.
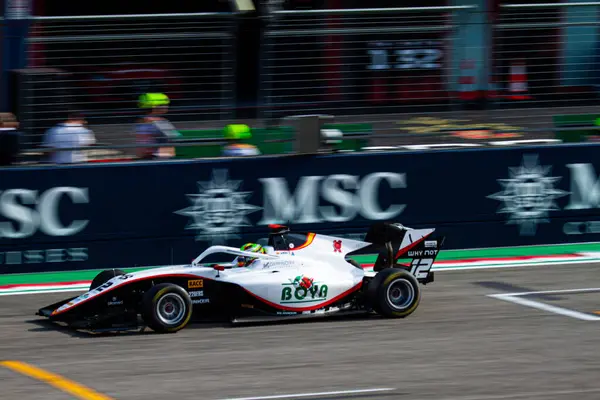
69	141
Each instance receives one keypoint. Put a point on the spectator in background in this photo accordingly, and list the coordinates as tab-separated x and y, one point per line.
10	139
155	129
236	133
72	133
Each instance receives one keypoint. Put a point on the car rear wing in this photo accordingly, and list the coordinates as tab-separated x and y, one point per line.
395	241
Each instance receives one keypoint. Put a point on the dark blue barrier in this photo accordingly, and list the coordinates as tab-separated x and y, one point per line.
84	217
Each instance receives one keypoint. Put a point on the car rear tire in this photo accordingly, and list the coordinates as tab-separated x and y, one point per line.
104	277
166	308
394	293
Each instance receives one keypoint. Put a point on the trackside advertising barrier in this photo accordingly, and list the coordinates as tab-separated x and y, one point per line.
144	214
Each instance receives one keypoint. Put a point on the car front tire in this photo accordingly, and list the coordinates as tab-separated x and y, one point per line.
166	308
104	277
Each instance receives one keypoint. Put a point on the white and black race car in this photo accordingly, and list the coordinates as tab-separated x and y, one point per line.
301	275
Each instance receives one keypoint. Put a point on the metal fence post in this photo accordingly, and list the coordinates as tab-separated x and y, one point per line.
264	86
230	69
15	27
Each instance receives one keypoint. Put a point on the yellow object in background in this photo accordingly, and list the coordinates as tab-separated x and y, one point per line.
151	100
237	131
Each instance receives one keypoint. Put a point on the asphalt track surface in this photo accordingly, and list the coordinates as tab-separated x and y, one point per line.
460	344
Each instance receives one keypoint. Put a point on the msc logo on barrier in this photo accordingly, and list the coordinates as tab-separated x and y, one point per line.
28	211
349	196
25	212
220	209
529	195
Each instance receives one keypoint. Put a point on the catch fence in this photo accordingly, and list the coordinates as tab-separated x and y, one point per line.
545	56
361	61
435	68
100	65
414	74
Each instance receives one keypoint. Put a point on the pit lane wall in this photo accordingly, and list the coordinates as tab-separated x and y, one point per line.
140	214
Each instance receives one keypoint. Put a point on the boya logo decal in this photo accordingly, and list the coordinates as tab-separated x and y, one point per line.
303	290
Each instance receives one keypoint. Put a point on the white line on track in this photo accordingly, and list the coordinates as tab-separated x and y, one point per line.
296	395
555	291
518	299
463	267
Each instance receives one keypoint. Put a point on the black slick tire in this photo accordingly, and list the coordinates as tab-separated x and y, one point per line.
166	308
105	276
394	293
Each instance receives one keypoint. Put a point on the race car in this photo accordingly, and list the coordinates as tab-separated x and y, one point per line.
299	275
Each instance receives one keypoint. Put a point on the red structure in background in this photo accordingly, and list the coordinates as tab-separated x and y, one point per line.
537	50
36	51
467	81
518	88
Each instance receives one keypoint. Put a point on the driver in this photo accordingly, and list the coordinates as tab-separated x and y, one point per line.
243	261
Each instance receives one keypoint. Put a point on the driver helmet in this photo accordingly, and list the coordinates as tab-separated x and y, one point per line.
243	261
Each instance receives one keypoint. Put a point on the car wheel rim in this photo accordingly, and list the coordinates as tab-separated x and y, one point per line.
171	309
400	294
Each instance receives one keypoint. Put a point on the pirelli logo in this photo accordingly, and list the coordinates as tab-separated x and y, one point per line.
196	284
